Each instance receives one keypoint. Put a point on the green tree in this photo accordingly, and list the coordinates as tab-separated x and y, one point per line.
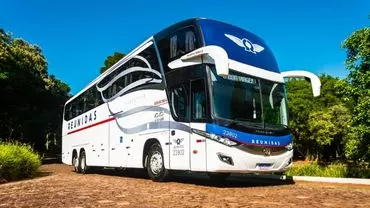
319	125
329	128
356	90
300	104
31	99
111	60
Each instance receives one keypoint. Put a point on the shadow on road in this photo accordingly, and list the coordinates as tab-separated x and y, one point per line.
47	159
232	181
40	174
201	179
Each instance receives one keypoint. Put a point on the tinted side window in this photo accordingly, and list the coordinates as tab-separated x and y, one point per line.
176	76
182	42
179	102
150	56
198	99
164	50
88	100
139	70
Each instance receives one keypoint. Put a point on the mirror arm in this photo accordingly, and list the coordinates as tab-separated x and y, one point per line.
315	81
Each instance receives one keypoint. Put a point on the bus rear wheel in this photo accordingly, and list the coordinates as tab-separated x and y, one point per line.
155	164
82	163
75	163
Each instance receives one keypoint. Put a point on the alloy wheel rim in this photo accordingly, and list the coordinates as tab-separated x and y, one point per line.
156	162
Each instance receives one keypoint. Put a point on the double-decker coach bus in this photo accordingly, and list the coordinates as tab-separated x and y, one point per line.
200	95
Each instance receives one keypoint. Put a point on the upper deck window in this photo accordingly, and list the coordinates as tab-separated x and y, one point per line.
178	43
182	42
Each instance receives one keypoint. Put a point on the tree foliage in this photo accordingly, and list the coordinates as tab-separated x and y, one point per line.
356	89
319	125
338	122
32	101
111	60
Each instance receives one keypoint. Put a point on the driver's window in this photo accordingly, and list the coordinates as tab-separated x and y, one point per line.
198	97
179	102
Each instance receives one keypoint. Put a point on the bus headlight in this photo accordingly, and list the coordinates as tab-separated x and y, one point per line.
289	146
222	140
215	137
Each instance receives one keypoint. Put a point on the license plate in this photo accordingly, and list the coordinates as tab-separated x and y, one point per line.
264	165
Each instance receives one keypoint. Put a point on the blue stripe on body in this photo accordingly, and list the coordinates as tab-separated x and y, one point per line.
247	138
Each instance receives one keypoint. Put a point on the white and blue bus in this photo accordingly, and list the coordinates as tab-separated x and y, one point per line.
200	96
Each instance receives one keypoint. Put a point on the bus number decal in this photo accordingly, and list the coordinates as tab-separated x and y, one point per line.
178	152
229	134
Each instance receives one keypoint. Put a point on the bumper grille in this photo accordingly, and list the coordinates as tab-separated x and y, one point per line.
265	151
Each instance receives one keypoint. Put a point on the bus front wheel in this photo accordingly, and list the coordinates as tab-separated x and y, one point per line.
155	164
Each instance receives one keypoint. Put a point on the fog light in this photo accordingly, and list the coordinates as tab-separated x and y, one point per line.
225	159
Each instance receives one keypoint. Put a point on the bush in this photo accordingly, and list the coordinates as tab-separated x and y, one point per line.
18	161
339	170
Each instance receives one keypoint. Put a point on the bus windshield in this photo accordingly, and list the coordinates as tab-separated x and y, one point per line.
256	102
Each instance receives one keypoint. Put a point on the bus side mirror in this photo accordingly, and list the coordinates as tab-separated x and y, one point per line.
208	54
315	81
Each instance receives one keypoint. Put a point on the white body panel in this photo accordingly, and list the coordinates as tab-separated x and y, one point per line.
180	145
118	140
198	151
83	134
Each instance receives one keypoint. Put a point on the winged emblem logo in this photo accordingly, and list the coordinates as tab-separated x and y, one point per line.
178	141
246	44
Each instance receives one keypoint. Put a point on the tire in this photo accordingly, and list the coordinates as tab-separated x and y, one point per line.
75	163
155	164
82	163
218	177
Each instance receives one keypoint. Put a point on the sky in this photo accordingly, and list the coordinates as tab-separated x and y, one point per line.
77	36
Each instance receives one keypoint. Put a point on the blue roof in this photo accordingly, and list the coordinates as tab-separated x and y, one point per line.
240	45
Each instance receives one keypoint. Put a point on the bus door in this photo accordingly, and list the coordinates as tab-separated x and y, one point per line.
198	122
180	131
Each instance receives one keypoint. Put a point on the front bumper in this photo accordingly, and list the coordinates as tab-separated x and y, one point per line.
244	162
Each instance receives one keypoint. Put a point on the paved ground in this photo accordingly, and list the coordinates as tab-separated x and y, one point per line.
59	187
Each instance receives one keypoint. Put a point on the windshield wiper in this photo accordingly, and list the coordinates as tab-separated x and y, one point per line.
275	126
249	123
